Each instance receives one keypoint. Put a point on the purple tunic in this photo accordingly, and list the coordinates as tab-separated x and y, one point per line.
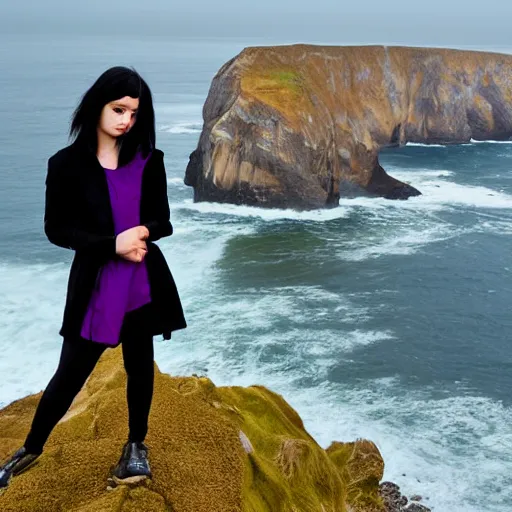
122	285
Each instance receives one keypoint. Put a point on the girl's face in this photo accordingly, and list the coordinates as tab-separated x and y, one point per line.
118	116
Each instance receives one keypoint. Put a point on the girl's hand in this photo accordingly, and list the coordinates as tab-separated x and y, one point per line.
137	255
131	245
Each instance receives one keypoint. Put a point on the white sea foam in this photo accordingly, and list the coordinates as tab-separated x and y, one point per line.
346	342
499	227
419	144
182	128
176	181
437	192
267	214
30	315
404	242
473	141
422	174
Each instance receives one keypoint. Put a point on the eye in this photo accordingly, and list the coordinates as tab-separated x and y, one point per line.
118	110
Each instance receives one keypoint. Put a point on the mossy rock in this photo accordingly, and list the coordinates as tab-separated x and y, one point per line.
226	449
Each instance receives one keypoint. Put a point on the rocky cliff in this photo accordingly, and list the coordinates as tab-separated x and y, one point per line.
212	449
299	126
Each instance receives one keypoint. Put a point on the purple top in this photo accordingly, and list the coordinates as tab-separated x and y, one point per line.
122	285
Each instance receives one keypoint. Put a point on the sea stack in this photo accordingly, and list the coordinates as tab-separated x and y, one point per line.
301	126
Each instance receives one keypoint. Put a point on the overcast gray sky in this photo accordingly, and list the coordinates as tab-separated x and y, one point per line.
442	22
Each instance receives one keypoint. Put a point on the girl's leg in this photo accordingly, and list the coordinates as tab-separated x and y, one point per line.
138	357
137	346
77	360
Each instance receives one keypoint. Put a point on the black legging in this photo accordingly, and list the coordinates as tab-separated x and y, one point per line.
78	359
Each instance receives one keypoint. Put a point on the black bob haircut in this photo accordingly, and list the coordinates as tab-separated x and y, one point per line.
116	83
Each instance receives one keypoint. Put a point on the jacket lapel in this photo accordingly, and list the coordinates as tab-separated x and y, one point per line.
95	181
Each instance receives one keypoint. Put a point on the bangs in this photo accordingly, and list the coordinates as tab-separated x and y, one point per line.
119	85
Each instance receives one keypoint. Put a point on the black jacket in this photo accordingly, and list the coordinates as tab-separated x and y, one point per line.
78	216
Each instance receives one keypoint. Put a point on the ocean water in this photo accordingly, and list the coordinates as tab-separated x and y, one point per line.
377	319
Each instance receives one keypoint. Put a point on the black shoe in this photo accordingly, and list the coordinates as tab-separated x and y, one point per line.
15	465
133	462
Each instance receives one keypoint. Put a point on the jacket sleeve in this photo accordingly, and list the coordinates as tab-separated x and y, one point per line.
159	226
59	217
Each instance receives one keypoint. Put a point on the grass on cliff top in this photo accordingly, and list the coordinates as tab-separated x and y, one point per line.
275	81
290	79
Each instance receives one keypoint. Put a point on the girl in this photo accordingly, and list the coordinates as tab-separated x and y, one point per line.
106	199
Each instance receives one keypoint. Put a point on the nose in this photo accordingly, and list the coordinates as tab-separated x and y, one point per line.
127	117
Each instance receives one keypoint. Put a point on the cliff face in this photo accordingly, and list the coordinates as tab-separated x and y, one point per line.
212	449
299	126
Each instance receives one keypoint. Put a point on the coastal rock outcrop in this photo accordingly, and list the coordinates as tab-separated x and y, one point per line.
301	126
212	449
